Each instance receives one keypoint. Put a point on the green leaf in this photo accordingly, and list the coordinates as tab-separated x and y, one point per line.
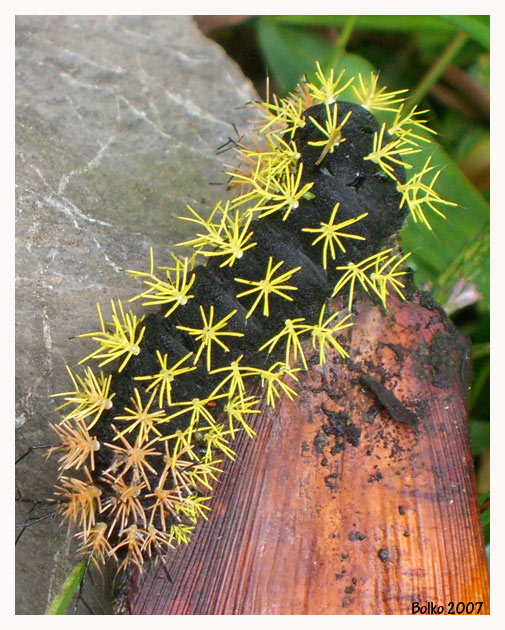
479	435
414	23
480	381
433	251
476	28
485	517
480	350
484	496
471	266
61	601
289	51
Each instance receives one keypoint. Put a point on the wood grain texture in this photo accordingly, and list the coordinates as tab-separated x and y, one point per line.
336	507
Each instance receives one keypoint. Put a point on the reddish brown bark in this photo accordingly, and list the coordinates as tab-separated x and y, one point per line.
301	525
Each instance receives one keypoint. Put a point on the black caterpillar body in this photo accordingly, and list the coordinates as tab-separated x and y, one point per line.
321	165
343	176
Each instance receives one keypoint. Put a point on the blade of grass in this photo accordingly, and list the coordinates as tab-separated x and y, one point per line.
62	599
289	51
338	51
485	517
437	69
480	350
414	23
476	29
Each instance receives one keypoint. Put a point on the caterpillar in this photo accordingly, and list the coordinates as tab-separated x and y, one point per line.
316	207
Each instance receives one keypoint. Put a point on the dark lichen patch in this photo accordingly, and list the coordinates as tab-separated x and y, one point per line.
444	369
340	426
427	301
328	389
371	414
350	588
384	439
356	535
442	366
338	448
310	419
375	477
320	442
336	434
410	290
383	555
436	360
397	450
331	481
421	407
